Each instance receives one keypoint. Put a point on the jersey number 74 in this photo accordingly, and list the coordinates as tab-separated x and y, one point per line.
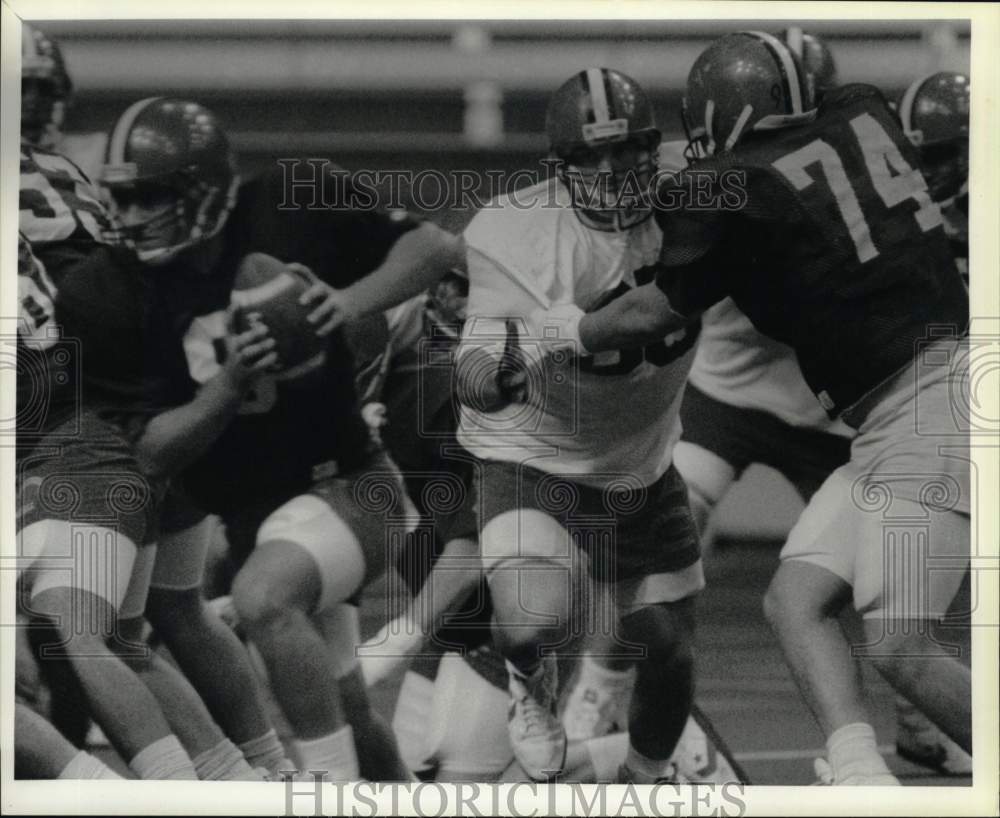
891	176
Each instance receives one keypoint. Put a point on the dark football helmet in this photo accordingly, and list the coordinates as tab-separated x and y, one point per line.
170	175
45	88
743	82
600	126
816	58
934	112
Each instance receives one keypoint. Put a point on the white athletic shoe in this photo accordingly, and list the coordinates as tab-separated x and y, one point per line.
536	735
596	707
919	740
860	778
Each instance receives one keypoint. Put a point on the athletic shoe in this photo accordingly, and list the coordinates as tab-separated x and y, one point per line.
536	735
824	772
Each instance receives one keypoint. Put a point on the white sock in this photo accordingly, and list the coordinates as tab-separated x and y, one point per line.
84	765
224	762
165	758
852	750
607	754
333	754
266	752
591	669
647	770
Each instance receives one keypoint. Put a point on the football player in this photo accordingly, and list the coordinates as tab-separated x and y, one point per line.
45	88
85	509
287	462
580	490
934	111
745	403
835	249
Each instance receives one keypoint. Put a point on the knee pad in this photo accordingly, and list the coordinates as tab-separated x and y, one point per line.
310	523
92	558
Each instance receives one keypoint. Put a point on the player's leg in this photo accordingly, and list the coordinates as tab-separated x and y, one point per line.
918	739
82	607
534	573
708	477
275	594
901	615
379	757
204	647
811	586
41	751
455	574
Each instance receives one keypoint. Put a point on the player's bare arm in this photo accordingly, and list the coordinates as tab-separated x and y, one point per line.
415	262
179	436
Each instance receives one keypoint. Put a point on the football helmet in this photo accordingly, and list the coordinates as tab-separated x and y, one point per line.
743	82
170	177
816	58
600	127
45	87
934	112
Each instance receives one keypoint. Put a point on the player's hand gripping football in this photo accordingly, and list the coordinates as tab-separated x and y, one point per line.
249	354
330	306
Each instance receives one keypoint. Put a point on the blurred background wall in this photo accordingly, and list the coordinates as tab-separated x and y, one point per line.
444	95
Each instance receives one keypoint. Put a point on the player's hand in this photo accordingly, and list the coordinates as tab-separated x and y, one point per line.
330	307
373	415
249	354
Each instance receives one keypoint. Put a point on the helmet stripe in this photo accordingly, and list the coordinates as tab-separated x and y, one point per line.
906	103
123	127
795	40
598	95
786	65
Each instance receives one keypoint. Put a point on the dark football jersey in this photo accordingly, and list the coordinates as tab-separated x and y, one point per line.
288	432
833	246
84	302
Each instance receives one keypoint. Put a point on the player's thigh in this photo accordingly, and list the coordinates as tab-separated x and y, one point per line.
708	475
522	519
912	568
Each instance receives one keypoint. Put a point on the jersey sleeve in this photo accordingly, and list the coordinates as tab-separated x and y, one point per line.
341	235
695	265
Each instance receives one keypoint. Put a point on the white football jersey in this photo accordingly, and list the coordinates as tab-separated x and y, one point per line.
598	418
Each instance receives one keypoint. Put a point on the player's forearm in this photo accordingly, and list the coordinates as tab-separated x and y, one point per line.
417	260
639	317
176	438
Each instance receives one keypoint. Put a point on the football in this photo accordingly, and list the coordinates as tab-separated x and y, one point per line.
268	291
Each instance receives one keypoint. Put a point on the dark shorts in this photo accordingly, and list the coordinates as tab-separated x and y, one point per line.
642	540
742	437
370	500
83	471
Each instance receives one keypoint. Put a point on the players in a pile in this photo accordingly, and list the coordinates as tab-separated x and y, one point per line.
280	453
838	252
573	491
